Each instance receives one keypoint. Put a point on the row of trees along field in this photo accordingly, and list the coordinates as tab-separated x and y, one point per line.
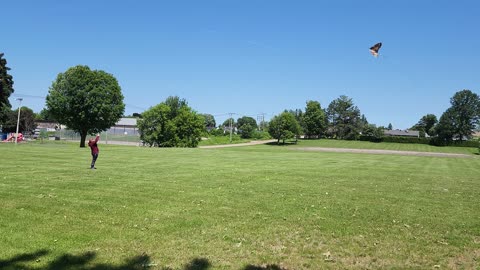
90	101
343	120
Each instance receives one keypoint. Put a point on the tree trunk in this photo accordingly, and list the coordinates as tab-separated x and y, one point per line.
83	137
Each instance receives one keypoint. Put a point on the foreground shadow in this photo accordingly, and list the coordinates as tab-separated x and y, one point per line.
69	261
84	261
22	258
198	264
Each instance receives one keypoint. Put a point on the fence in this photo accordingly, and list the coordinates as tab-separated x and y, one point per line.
114	135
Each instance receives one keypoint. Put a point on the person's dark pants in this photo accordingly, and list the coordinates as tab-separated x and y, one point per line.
94	158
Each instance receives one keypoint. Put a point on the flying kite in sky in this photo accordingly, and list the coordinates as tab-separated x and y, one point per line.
374	49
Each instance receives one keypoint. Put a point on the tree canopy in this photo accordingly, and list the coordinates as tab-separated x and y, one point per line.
445	129
86	101
171	123
45	115
209	120
229	121
344	118
283	127
465	110
298	113
6	89
314	120
26	123
247	126
426	124
460	120
373	132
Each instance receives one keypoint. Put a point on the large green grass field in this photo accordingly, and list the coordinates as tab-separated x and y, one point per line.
249	208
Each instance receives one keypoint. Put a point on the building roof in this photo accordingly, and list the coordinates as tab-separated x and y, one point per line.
127	122
398	132
46	124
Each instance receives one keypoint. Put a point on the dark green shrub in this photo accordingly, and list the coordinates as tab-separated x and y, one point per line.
406	140
370	138
218	132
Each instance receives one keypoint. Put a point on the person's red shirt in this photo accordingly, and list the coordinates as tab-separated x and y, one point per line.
93	145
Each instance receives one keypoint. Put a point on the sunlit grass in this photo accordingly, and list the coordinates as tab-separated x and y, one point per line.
235	207
386	146
216	140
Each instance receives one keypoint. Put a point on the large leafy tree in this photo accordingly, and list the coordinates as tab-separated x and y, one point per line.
229	121
26	123
189	127
209	120
299	114
283	127
426	124
6	89
86	101
373	132
171	123
247	126
314	120
445	129
465	110
344	118
45	115
363	122
175	103
156	128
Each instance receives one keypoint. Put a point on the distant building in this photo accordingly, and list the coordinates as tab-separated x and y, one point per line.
126	126
402	133
47	125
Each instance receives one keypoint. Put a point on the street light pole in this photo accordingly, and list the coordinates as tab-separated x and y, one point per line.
18	119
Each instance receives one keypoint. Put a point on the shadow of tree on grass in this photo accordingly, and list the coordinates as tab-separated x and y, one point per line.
84	261
198	264
281	143
22	258
69	261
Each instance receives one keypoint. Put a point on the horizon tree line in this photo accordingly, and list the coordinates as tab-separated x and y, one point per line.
90	101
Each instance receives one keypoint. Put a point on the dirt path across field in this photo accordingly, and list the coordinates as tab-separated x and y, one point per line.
324	149
237	144
383	152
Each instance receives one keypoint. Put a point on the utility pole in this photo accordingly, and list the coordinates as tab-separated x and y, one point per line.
18	119
231	127
261	120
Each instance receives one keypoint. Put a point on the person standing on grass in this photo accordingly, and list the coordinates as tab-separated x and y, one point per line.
93	145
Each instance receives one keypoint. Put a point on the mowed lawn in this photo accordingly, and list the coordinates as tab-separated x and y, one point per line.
386	146
249	208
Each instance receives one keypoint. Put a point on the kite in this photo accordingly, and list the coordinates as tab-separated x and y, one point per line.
374	49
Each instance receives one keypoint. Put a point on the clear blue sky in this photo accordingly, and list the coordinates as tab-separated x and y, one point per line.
250	57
